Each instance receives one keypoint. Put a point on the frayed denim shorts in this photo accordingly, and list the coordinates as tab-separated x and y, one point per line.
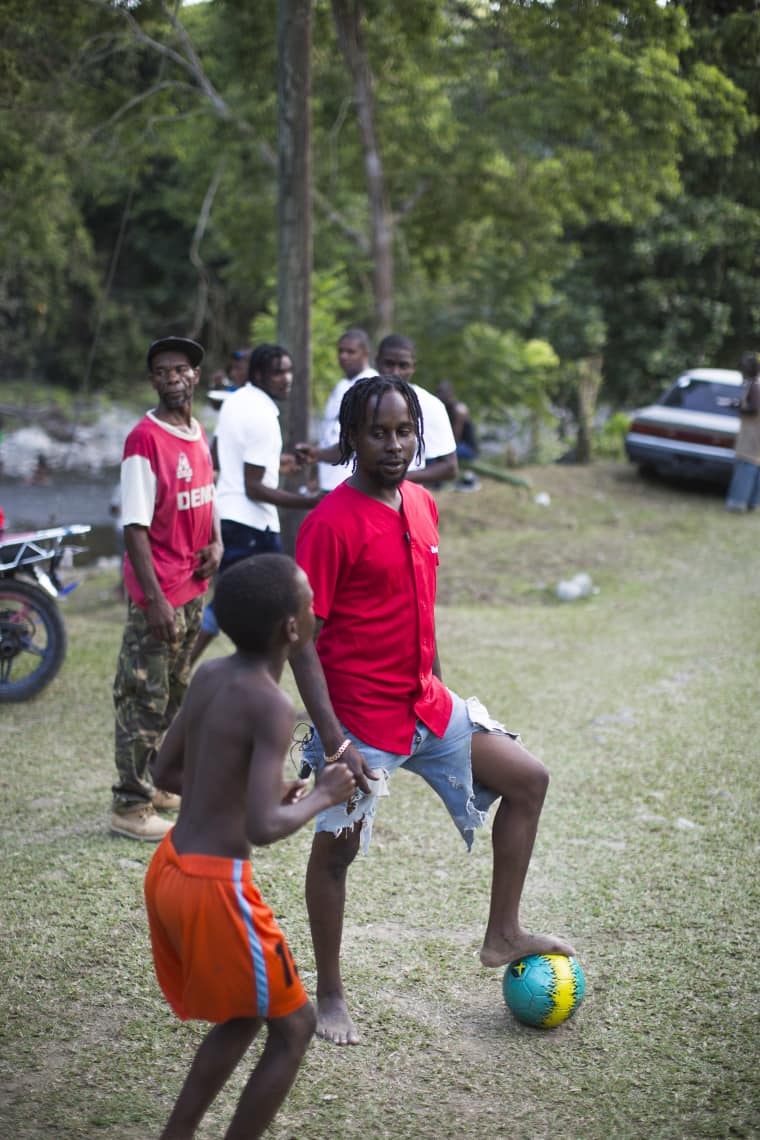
443	762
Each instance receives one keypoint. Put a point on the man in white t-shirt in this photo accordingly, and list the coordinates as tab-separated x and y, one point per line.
353	357
438	463
248	451
395	357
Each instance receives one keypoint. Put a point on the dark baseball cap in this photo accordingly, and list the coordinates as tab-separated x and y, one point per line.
192	350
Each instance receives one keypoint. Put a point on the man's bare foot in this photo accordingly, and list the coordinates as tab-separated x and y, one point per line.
334	1022
500	951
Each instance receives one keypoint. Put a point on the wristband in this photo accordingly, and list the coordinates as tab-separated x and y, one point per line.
337	755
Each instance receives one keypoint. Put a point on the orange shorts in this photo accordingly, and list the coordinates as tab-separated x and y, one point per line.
217	949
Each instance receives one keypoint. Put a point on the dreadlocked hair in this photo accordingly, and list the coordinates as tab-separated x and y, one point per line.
353	410
264	359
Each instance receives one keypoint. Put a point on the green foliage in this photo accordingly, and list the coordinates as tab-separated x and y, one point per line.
609	438
330	316
581	176
506	371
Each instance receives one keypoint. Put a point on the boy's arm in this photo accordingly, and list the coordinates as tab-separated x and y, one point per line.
271	812
168	766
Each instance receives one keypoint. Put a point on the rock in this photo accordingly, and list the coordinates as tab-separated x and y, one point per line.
571	589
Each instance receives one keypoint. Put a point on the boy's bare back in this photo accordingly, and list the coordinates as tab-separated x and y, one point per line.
236	725
224	753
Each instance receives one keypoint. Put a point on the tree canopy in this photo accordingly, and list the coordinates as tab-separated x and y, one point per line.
542	184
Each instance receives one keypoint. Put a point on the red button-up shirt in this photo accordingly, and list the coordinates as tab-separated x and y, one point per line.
373	572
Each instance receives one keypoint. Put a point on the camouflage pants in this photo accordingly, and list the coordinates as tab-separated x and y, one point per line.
150	684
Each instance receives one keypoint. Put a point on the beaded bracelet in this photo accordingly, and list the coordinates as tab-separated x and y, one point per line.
337	755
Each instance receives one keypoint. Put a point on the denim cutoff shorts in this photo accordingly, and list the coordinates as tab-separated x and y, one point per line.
443	762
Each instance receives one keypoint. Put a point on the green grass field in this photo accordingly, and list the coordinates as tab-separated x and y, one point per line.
643	702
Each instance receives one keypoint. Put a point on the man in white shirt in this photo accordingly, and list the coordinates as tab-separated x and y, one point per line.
248	451
353	356
395	357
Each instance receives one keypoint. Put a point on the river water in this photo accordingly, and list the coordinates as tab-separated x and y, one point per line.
63	500
48	482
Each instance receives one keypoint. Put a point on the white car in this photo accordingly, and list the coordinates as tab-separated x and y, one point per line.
691	430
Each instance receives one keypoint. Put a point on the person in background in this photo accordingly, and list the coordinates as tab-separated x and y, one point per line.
464	434
248	450
744	490
229	381
353	357
436	464
173	546
461	423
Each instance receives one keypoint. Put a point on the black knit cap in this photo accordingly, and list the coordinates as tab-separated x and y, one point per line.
192	350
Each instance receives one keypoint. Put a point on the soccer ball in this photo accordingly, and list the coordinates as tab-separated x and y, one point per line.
543	990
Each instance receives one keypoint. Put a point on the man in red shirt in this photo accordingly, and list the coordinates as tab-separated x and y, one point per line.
173	546
372	685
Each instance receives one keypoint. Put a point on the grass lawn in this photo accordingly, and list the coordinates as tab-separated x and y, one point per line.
642	699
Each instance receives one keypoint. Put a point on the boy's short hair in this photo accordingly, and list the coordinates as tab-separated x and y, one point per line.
253	596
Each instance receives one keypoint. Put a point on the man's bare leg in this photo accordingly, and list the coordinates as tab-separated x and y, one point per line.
330	859
504	765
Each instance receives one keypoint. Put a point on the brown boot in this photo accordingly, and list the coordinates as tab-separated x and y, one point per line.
140	821
166	801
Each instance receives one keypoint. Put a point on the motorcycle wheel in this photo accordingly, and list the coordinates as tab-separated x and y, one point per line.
32	640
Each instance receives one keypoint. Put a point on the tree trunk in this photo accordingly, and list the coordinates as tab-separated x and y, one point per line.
294	259
348	18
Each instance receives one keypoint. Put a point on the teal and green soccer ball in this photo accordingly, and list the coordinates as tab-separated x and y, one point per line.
543	990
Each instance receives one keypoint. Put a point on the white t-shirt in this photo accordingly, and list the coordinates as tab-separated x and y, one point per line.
439	437
248	431
436	428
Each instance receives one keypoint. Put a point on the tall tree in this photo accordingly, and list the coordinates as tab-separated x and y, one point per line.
294	262
348	22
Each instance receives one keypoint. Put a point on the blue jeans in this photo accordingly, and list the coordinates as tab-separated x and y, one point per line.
744	492
239	541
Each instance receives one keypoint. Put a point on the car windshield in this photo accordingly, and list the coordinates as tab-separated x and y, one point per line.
702	396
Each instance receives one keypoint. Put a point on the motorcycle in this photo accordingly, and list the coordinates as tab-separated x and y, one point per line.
32	633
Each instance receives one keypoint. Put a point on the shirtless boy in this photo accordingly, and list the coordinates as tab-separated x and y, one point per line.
218	952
